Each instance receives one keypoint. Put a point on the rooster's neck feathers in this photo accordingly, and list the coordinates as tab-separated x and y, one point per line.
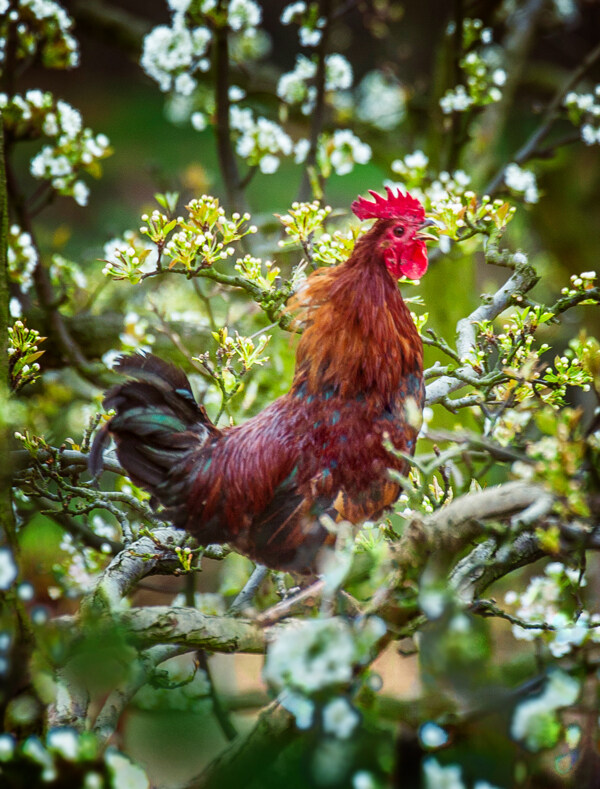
358	333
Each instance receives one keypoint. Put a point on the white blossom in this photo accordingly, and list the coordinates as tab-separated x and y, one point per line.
292	86
22	257
531	715
432	601
169	52
243	14
14	308
81	192
179	6
184	84
236	93
381	101
432	735
290	12
125	774
363	780
340	718
347	150
415	160
309	37
338	72
260	139
439	777
8	568
301	149
313	655
590	135
521	181
7	747
198	121
457	100
268	164
499	77
301	707
69	119
63	741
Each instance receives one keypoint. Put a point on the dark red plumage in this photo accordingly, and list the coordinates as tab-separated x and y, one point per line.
318	450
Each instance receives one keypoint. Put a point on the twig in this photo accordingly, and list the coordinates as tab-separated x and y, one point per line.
449	530
249	757
22	458
94	373
318	114
487	563
177	341
141	558
112	709
489	608
79	530
227	162
529	148
245	597
221	712
521	281
305	599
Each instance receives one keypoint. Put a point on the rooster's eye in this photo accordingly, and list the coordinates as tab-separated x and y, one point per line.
398	231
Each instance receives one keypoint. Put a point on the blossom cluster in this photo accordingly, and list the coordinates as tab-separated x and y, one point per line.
86	763
78	573
521	182
457	209
549	600
580	282
381	100
198	241
175	55
584	111
251	268
8	570
449	776
129	257
535	722
23	353
303	219
259	141
307	17
39	28
293	87
484	77
319	657
75	149
337	152
22	258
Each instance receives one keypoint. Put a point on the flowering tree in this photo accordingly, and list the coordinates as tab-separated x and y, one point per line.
481	570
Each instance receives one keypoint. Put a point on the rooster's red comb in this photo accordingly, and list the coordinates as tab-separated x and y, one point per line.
394	206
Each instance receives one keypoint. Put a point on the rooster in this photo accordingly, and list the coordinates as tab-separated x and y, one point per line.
324	448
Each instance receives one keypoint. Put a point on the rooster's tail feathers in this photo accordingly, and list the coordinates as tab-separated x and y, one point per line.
158	426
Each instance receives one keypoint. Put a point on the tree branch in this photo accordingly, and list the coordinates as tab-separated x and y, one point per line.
188	628
112	709
318	114
521	281
247	758
529	148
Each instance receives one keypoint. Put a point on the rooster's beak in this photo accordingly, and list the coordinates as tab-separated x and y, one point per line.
426	236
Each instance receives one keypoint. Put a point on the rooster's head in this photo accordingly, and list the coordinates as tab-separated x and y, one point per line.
399	231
